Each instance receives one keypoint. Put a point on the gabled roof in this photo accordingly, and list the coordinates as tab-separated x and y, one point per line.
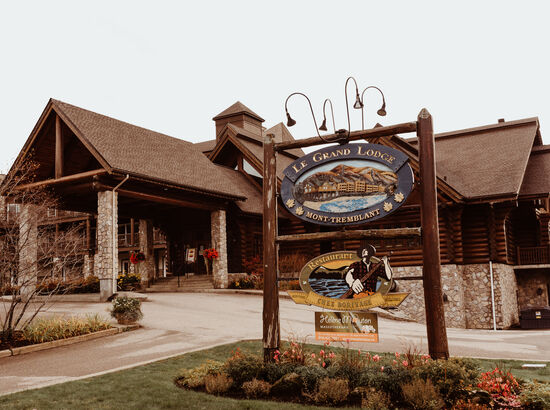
488	161
243	187
137	151
205	146
537	174
235	109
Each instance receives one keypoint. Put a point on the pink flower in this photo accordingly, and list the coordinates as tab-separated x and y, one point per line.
405	363
322	352
359	351
331	355
381	368
324	364
394	362
376	358
397	355
313	355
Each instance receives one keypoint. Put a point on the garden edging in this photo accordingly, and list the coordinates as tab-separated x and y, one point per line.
65	342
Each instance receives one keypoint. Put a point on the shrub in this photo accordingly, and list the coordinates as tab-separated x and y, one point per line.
450	377
421	394
194	378
289	285
372	399
288	387
126	310
332	391
254	266
129	281
243	368
271	372
385	378
535	396
311	375
42	330
292	263
256	389
242	283
292	352
502	386
217	383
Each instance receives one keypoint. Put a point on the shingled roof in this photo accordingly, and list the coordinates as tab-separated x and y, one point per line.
488	161
142	152
237	108
537	174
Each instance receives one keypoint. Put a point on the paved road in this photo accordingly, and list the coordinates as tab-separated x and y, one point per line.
176	323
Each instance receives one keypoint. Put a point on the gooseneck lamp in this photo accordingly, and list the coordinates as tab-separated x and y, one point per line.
381	112
323	126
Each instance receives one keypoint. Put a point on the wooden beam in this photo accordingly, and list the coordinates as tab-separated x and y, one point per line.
59	148
66	179
431	269
351	235
403	128
271	325
156	198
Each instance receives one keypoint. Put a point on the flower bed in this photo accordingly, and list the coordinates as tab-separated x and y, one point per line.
42	330
332	377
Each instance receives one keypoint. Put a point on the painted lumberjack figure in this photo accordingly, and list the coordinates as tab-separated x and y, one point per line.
358	270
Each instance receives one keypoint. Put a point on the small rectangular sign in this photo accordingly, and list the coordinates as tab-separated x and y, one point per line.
190	255
346	326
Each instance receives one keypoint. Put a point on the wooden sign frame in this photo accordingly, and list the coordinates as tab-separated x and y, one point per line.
433	295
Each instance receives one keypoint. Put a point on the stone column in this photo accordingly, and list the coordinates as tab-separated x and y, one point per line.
147	267
28	251
106	258
219	241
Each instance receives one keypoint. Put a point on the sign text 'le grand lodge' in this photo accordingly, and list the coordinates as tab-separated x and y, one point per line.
347	184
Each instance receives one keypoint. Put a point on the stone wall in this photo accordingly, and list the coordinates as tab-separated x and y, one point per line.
105	266
533	288
147	267
477	294
506	301
451	282
219	242
28	250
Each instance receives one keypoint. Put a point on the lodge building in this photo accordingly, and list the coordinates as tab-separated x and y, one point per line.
134	189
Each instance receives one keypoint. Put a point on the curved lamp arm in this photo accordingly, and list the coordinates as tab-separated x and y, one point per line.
358	105
291	121
323	126
381	111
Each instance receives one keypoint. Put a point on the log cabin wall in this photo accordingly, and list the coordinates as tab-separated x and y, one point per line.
475	234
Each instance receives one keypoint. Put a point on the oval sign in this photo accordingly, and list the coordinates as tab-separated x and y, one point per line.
347	184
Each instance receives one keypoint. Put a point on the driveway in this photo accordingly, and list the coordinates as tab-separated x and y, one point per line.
176	323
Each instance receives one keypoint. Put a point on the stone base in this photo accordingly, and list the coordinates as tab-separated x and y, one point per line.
105	289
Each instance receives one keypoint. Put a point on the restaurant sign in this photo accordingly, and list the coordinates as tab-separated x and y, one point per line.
347	184
347	281
346	326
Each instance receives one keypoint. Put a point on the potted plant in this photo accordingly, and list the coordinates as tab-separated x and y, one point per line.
126	310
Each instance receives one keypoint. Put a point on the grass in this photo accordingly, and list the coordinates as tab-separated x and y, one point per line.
151	386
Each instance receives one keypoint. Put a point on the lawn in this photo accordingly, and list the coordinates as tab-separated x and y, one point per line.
151	386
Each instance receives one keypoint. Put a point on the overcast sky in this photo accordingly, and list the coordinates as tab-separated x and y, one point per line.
171	66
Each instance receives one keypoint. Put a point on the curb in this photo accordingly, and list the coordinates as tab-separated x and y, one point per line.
65	342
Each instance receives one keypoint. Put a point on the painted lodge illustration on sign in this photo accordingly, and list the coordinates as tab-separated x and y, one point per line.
347	184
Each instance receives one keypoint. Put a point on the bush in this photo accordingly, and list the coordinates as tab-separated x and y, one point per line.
130	281
288	387
450	377
256	389
126	310
535	396
311	375
289	285
332	391
243	368
385	378
372	399
90	284
42	330
217	383
195	378
421	394
271	372
242	283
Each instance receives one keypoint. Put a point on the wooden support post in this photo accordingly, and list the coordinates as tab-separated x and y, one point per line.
271	328
58	148
132	232
433	295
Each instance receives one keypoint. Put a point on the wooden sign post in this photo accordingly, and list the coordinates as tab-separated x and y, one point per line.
271	333
431	269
